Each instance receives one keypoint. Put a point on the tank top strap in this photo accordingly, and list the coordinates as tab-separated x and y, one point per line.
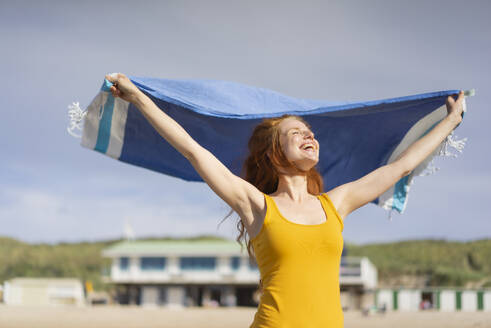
267	217
332	208
272	212
270	208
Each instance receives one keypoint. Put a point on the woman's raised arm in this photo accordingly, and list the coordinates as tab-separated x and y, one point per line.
239	194
355	194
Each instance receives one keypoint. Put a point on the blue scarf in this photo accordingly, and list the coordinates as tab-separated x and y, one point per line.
355	138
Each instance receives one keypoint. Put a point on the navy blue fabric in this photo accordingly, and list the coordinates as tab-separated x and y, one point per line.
355	138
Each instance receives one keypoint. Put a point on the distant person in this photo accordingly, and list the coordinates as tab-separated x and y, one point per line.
383	309
425	305
294	226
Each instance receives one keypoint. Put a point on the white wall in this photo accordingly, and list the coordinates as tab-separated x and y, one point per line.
408	300
385	296
224	264
469	301
369	274
12	294
487	301
150	296
176	296
447	301
228	297
34	291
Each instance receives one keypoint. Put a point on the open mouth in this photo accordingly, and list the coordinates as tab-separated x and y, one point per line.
308	147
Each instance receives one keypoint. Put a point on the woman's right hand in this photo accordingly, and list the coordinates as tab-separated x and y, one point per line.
123	87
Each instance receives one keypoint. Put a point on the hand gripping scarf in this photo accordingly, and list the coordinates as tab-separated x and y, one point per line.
355	138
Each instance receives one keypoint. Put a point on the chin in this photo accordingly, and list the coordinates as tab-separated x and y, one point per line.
307	166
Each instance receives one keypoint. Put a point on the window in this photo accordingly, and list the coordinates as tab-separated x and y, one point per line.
124	263
252	264
235	262
152	263
197	263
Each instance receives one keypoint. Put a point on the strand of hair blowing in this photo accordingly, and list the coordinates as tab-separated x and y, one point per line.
260	169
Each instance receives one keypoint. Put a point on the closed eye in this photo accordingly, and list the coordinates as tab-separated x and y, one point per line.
296	131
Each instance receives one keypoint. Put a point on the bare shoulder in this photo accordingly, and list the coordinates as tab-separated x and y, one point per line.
337	196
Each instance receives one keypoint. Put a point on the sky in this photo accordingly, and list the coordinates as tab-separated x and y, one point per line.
56	52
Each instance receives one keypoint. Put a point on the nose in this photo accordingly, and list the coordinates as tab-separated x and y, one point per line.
309	134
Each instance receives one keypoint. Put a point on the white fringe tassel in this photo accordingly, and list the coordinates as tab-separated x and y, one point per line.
390	214
450	142
76	115
457	144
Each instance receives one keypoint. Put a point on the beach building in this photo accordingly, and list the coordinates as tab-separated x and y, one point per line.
210	273
443	299
43	291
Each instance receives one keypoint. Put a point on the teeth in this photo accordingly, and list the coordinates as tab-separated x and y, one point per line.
308	146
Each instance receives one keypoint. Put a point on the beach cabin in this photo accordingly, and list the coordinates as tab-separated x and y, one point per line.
443	299
43	291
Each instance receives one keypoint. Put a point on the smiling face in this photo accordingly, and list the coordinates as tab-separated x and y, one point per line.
298	143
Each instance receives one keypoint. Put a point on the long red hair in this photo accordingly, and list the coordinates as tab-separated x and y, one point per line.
261	170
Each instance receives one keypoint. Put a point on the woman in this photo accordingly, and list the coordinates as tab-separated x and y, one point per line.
294	228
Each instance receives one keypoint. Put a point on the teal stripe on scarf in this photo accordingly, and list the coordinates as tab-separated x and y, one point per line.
105	125
400	194
106	86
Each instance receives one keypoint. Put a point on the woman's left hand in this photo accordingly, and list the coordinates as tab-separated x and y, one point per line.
455	107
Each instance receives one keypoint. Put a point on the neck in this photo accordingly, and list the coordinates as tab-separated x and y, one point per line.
293	187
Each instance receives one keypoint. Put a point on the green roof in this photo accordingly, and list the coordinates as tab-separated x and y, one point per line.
159	247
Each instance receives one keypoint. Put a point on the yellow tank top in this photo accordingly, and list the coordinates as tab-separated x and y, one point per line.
299	268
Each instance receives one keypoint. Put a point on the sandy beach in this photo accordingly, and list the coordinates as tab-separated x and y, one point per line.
129	317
